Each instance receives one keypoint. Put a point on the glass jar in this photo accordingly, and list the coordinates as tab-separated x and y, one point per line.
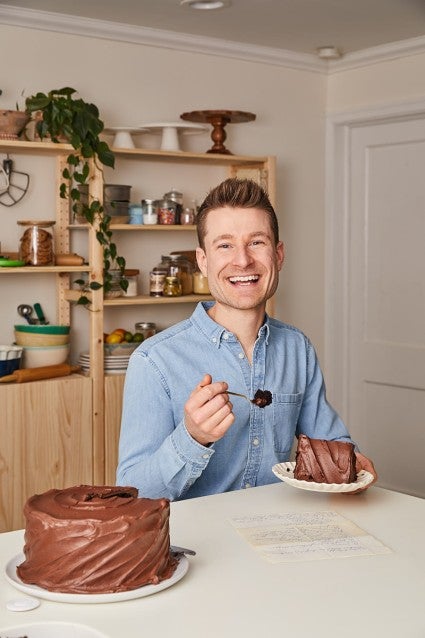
200	283
115	290
172	287
146	328
136	214
132	276
150	215
181	267
177	197
167	212
187	217
157	277
36	247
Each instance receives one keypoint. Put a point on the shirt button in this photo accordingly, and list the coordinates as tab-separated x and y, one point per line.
255	442
247	485
214	339
225	336
241	355
205	456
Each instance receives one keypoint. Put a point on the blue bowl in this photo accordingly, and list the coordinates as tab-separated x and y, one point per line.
9	366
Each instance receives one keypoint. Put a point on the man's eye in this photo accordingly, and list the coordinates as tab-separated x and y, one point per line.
224	245
258	242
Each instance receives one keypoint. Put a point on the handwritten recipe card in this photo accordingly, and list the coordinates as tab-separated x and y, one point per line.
293	536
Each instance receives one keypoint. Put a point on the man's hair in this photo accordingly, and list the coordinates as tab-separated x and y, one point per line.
235	193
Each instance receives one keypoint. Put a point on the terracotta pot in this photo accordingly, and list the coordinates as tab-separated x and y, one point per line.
12	123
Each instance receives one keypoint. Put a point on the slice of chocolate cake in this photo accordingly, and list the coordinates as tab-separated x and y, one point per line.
322	461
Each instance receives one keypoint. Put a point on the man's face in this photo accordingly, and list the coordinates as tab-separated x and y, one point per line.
240	258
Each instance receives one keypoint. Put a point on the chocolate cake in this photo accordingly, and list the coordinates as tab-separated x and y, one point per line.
322	461
95	539
262	398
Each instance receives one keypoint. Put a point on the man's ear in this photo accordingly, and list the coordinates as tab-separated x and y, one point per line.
201	258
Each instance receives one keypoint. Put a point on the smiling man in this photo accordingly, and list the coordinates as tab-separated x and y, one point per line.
181	436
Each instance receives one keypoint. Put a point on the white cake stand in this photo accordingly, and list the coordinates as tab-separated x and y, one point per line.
170	132
123	135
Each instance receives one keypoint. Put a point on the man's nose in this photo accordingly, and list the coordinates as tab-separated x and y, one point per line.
242	257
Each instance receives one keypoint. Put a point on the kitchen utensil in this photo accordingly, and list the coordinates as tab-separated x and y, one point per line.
18	183
40	314
261	399
25	310
178	551
37	374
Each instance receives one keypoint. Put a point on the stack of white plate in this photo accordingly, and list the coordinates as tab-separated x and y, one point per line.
113	364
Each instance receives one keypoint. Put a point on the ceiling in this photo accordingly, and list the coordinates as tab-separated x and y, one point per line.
293	25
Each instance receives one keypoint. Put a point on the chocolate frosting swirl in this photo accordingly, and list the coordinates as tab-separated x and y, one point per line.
323	461
96	539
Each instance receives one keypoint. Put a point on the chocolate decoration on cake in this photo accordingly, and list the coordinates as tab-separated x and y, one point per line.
262	398
96	539
321	461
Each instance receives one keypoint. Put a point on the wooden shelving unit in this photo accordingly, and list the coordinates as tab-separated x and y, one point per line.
64	431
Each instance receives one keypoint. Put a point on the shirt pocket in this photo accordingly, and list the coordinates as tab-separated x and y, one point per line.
286	409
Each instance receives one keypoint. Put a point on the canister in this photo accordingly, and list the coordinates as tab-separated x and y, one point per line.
146	328
136	214
150	214
167	211
132	276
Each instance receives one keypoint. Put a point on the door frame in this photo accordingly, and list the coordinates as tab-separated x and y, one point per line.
339	127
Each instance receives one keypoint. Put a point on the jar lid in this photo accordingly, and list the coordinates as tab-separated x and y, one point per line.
131	272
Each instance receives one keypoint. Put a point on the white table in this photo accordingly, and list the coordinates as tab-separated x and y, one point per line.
230	590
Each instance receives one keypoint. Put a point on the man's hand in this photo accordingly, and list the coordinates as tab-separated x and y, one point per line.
363	463
208	411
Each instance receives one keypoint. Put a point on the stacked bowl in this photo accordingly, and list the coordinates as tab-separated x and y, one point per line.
10	359
43	345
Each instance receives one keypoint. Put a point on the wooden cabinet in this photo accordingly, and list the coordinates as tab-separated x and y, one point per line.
65	431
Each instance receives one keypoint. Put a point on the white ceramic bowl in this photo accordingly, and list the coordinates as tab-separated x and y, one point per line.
120	349
37	356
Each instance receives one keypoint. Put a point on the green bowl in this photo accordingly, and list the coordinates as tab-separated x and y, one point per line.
43	330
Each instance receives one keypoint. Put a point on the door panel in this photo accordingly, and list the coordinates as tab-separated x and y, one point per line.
386	299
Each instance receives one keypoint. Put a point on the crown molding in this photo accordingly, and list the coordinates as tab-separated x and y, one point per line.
382	53
63	23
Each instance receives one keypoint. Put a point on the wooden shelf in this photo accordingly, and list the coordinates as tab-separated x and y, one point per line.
147	300
38	269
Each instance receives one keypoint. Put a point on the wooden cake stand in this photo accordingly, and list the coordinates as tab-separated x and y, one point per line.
218	119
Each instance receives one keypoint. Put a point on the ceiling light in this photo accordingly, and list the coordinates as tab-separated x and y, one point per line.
206	5
329	53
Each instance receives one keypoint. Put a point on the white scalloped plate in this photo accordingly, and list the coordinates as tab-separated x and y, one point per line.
39	592
285	472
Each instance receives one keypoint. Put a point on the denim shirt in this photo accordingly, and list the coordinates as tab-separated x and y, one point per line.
158	456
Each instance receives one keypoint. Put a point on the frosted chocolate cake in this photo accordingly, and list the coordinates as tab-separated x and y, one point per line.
95	539
322	461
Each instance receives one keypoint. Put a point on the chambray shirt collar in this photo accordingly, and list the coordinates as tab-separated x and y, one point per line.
214	332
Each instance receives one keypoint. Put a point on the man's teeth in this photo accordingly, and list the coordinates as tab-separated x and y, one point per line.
243	279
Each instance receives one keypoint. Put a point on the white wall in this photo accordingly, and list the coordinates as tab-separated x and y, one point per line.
380	83
132	84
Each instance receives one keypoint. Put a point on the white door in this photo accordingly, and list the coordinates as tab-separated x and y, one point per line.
385	298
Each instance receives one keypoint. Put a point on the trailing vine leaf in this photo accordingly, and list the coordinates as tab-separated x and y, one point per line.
65	116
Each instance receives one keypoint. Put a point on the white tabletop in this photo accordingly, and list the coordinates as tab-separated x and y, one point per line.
230	590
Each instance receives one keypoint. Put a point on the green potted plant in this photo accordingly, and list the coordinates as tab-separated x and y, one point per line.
63	116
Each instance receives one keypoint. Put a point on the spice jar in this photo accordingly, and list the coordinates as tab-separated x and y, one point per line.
36	247
146	328
200	283
182	268
172	287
